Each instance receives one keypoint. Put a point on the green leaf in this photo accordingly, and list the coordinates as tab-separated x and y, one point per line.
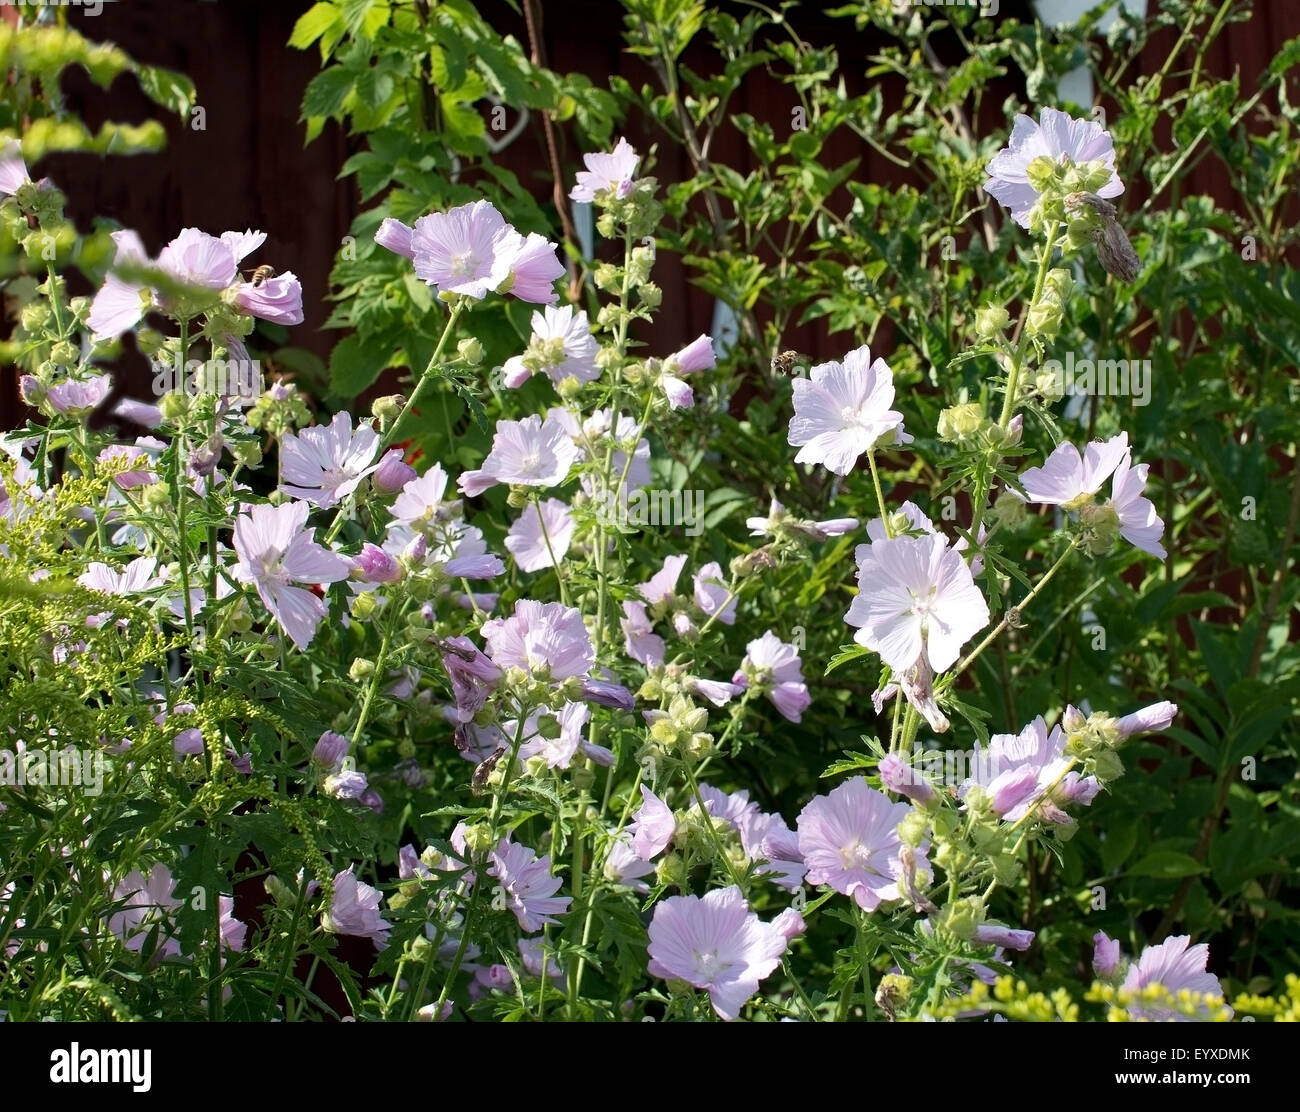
313	23
1167	864
846	654
355	364
327	92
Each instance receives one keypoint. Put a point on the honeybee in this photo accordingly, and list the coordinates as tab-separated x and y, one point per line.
263	273
784	363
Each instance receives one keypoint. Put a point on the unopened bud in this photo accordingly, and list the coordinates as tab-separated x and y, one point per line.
388	407
990	321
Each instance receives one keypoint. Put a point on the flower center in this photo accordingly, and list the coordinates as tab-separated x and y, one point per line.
269	566
923	602
464	265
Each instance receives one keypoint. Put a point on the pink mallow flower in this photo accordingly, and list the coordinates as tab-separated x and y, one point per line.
712	595
717	944
1068	479
1105	955
652	826
275	551
528	885
77	397
917	604
849	840
148	904
1018	769
1177	966
698	355
13	169
541	535
354	910
773	667
531	452
324	464
470	250
277	299
843	409
607	174
1057	136
563	346
136	577
546	640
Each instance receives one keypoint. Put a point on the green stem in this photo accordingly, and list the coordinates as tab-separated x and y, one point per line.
1047	578
426	380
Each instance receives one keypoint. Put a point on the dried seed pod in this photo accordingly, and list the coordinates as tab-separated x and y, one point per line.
1114	250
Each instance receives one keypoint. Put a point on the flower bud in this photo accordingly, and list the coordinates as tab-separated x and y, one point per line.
361	669
393	473
962	917
388	407
671	870
478	839
911	831
470	351
990	321
608	278
1101	528
1050	386
959	422
247	454
330	750
35	316
1041	173
31	390
156	496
